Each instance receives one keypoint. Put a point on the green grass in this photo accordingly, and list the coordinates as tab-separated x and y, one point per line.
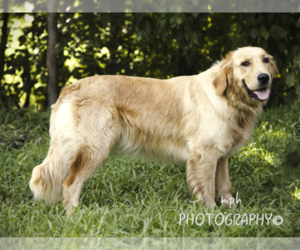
132	198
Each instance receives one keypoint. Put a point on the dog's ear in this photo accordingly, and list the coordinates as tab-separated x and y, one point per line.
274	70
224	76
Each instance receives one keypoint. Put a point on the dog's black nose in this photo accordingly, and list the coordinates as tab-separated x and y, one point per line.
263	78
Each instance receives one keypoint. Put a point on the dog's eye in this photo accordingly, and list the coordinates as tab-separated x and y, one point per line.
245	64
266	59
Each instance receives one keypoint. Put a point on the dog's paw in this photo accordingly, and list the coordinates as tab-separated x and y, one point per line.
208	203
227	201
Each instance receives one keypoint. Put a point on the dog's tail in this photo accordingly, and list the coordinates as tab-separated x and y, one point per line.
47	178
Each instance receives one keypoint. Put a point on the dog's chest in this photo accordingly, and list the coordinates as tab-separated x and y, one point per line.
238	134
225	136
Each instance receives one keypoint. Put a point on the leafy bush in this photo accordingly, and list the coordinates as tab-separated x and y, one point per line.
294	78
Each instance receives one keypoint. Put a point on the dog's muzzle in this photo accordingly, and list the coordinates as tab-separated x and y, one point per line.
258	95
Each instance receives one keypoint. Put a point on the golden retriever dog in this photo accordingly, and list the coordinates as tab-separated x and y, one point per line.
198	120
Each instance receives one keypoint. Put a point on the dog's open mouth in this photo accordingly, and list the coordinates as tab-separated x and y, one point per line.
258	95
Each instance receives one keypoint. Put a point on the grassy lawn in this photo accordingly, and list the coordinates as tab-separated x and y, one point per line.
133	198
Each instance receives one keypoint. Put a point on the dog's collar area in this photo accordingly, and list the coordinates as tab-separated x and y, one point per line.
252	94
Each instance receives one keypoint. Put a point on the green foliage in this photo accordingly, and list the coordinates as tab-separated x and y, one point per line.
293	79
292	150
131	198
145	44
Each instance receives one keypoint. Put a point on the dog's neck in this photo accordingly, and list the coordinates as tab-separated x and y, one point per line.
245	110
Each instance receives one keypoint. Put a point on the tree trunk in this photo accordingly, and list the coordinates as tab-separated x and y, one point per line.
3	47
27	83
52	85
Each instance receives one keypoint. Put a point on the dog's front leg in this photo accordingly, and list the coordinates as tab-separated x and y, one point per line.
200	173
223	184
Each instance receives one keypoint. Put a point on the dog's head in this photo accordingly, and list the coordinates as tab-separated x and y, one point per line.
246	75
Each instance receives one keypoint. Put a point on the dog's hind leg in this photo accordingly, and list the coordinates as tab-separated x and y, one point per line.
98	127
86	162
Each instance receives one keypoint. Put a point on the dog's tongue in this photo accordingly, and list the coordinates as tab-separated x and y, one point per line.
262	94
